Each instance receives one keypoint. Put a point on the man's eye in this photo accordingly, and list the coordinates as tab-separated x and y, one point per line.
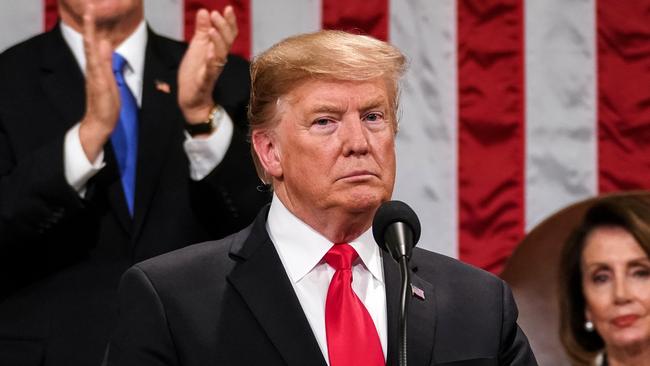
373	117
322	122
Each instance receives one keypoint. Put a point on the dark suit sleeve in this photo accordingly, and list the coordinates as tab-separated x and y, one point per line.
34	194
514	349
142	336
233	186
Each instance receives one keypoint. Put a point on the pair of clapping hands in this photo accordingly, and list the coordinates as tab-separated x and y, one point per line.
201	66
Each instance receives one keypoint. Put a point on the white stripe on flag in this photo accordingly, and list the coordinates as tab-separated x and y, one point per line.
427	141
561	105
166	17
19	20
276	20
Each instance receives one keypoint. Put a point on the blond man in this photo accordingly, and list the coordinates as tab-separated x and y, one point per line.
306	284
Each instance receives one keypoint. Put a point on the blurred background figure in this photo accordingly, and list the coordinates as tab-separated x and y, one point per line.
533	272
116	145
605	285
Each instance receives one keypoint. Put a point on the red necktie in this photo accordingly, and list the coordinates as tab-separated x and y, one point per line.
352	338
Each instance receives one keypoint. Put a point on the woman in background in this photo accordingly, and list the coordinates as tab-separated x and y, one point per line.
605	285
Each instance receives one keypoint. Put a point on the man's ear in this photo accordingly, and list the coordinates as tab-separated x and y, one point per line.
268	152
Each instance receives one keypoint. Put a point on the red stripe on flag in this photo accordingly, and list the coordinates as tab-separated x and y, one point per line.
50	15
491	130
623	95
357	16
242	45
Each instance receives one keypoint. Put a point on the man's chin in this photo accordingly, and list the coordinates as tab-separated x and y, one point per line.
364	202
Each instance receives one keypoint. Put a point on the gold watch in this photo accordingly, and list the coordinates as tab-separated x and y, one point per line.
207	126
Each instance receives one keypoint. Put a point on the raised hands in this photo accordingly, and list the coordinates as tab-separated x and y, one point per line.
203	62
102	96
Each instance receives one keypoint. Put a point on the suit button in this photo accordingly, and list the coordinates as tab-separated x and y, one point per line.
43	227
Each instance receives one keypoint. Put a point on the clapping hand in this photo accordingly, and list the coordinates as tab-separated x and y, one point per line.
203	62
102	96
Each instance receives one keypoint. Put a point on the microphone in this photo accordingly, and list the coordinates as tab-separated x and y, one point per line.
396	228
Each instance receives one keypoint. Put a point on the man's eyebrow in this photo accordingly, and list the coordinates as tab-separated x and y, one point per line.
334	108
377	102
327	108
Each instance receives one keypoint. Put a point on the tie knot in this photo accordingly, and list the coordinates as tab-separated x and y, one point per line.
341	256
118	63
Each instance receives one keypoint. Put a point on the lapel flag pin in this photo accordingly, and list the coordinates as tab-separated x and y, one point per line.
417	292
163	87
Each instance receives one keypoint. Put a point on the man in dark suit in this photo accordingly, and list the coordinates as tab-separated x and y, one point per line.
70	222
305	284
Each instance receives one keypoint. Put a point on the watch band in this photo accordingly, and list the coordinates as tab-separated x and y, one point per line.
207	126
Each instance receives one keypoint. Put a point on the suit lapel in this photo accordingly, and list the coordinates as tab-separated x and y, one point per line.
62	79
64	85
422	323
159	116
265	287
421	316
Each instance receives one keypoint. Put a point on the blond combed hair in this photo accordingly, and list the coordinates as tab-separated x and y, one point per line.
323	55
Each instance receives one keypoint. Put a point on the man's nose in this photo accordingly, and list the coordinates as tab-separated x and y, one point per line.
354	136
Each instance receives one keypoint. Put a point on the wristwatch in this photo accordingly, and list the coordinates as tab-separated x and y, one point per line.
207	126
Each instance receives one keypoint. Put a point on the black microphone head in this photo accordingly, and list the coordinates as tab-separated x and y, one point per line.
391	212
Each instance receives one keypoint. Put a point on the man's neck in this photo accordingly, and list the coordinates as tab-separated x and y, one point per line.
339	227
336	224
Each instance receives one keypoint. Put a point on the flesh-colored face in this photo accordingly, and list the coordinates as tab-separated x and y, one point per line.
106	11
333	148
616	286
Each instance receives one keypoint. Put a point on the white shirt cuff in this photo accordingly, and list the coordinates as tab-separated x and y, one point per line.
76	166
206	153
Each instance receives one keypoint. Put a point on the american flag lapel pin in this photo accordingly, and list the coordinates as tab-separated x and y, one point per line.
163	86
417	292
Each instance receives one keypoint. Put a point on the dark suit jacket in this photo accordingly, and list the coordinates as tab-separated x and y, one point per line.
61	256
230	302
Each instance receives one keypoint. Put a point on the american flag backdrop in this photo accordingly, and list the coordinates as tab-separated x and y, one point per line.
511	109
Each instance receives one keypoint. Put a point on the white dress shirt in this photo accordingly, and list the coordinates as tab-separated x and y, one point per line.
204	154
301	250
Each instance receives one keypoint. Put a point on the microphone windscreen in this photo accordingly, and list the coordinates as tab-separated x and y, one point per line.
390	212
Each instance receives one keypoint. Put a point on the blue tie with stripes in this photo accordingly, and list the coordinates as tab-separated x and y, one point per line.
125	136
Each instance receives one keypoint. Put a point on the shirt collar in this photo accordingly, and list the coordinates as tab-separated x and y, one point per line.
132	48
301	248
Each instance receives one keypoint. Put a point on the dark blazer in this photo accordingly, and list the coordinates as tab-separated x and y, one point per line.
230	302
61	256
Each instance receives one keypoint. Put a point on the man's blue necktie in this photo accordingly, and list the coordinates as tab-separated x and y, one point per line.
125	135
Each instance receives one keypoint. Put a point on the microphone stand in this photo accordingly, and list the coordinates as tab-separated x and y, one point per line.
403	308
400	234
